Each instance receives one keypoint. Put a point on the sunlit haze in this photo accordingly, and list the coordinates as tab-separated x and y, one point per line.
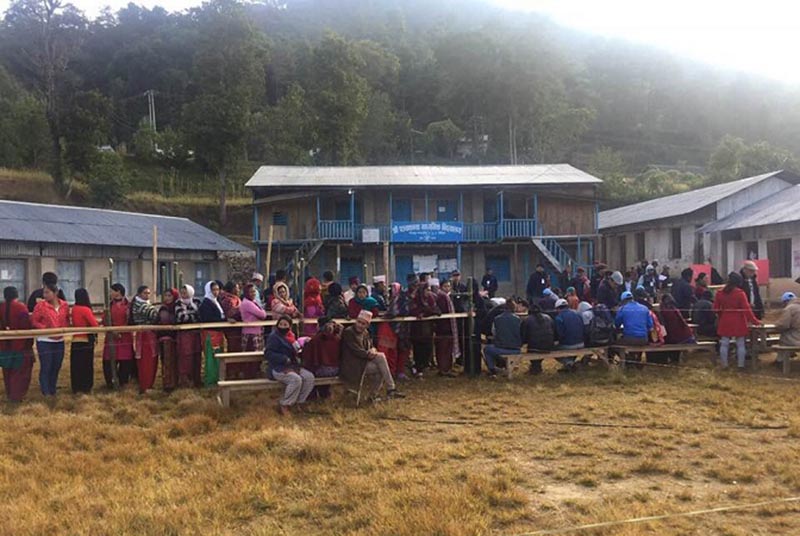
753	37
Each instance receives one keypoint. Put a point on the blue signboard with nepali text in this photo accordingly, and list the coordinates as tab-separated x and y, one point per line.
427	231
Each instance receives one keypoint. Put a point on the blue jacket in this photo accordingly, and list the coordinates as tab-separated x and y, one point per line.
279	352
569	327
635	320
507	331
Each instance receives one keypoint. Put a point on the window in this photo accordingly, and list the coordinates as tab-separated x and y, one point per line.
12	274
446	210
202	274
70	277
122	275
490	209
501	266
675	251
280	218
779	253
640	254
623	252
751	251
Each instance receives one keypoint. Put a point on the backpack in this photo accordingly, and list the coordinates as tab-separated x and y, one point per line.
601	328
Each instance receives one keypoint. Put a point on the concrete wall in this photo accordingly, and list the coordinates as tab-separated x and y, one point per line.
750	195
95	267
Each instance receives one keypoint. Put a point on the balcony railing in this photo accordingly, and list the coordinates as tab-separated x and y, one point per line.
335	230
519	228
346	230
480	232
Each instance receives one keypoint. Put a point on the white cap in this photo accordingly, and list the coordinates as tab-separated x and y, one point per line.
378	279
257	277
561	303
433	282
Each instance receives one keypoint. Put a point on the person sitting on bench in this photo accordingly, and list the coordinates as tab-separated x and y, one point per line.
570	332
507	340
788	324
283	366
360	358
635	321
539	334
322	354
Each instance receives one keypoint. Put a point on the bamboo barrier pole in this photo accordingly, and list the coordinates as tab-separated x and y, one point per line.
26	333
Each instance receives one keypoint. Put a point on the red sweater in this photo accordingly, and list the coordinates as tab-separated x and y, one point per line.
734	313
14	316
323	350
82	317
678	330
45	316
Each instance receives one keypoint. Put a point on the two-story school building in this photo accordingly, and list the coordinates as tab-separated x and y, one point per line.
364	221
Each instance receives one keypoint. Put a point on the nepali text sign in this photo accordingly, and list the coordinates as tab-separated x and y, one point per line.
427	231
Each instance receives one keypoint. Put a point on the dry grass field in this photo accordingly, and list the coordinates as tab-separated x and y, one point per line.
458	456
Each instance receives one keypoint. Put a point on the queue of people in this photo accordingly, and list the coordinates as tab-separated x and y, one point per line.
591	311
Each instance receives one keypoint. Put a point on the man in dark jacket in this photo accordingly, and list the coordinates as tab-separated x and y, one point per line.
599	274
489	282
538	332
359	357
536	284
507	331
570	332
581	284
609	289
683	292
749	272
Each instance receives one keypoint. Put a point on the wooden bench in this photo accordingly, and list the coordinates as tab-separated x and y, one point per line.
703	346
786	352
226	387
515	360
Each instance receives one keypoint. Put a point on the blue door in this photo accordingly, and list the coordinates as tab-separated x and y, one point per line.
350	268
401	209
446	210
404	265
343	211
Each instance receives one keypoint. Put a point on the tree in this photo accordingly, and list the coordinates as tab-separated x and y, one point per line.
283	134
734	159
108	179
43	36
85	126
442	138
339	97
227	79
23	128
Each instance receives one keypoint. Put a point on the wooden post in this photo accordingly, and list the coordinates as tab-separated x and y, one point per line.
269	255
338	260
155	257
516	268
175	275
386	263
109	337
163	282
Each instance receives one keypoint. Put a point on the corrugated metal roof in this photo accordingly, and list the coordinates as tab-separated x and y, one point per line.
678	204
300	177
32	222
777	208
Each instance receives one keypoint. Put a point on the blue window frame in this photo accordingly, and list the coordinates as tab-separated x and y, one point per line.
401	209
501	265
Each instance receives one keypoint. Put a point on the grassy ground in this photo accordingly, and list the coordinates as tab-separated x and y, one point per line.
458	456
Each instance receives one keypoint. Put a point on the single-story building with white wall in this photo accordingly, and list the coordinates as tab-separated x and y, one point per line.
669	228
76	243
767	229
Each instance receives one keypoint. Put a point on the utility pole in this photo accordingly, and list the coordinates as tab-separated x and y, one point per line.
151	108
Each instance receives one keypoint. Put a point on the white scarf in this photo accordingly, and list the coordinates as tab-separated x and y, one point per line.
190	292
210	296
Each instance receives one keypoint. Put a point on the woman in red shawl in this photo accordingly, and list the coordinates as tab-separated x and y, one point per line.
14	316
230	302
122	343
734	313
167	345
312	306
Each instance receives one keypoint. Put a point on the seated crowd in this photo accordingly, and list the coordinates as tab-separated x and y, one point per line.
599	310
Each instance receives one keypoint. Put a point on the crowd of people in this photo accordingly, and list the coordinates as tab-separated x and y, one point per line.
592	310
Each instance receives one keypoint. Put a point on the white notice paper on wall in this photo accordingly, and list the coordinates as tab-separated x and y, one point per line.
4	275
446	266
370	235
424	263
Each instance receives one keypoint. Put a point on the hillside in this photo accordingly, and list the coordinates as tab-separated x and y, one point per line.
38	187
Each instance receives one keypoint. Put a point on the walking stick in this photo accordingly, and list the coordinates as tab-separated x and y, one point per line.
112	350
